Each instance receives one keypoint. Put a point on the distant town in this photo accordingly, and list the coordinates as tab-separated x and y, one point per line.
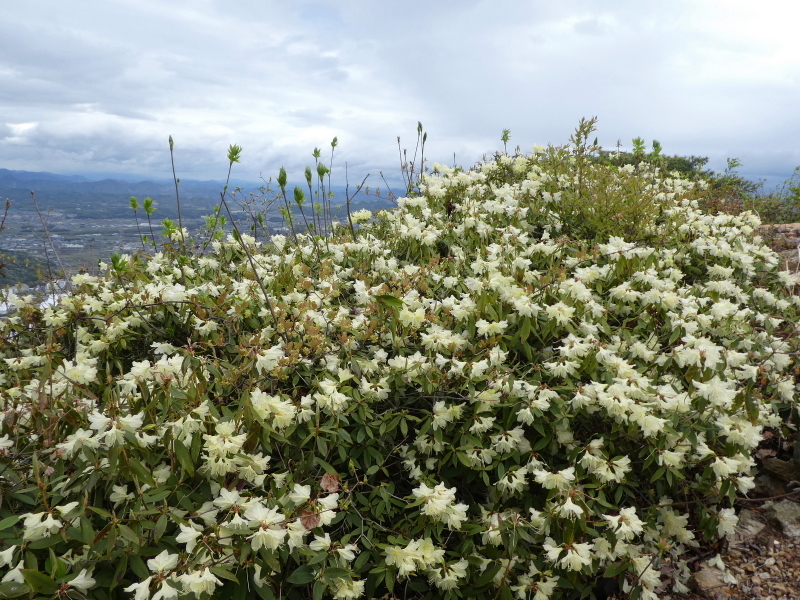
74	223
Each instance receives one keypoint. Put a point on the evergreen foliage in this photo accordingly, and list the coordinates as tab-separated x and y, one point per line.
530	374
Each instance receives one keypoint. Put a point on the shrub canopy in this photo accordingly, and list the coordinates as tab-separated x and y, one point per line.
530	374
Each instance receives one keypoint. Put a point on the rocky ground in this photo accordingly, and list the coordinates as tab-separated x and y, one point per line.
764	553
784	238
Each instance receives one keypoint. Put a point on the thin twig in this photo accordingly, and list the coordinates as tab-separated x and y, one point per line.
49	240
349	198
217	211
177	195
5	215
392	197
255	271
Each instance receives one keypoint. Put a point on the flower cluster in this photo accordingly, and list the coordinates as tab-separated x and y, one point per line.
475	392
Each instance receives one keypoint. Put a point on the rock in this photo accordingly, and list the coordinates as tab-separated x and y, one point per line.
783	469
749	526
796	453
791	260
709	581
768	485
786	515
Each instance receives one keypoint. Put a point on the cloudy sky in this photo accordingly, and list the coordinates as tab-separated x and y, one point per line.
98	86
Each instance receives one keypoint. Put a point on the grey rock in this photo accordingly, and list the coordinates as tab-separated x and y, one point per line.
796	453
708	581
768	485
785	470
749	526
786	515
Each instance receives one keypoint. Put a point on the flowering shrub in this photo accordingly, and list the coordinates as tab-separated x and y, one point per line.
468	396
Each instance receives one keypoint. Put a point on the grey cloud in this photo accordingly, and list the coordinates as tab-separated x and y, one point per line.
280	78
592	26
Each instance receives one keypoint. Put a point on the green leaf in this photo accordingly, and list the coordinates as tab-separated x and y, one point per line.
119	572
302	575
12	589
615	569
87	532
336	573
22	498
487	576
361	560
265	591
525	330
319	590
138	567
141	471
182	452
390	301
327	466
103	513
658	474
161	527
8	522
128	534
240	591
40	582
224	573
156	495
505	593
45	542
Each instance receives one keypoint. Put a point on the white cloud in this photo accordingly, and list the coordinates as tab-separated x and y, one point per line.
108	82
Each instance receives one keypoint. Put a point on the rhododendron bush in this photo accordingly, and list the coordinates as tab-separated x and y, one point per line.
479	394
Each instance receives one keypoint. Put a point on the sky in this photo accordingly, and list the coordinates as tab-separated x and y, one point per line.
97	87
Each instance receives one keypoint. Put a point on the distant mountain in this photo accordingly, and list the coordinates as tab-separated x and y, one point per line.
8	177
76	183
109	198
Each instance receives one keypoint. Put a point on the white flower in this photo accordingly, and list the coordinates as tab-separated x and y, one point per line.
188	535
65	509
361	216
300	493
577	556
485	328
166	591
259	515
83	581
228	498
320	543
7	556
271	538
344	589
75	441
626	525
570	510
119	494
39	525
268	360
280	412
199	582
402	559
560	480
348	552
141	590
439	503
651	425
163	562
444	414
728	519
561	312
